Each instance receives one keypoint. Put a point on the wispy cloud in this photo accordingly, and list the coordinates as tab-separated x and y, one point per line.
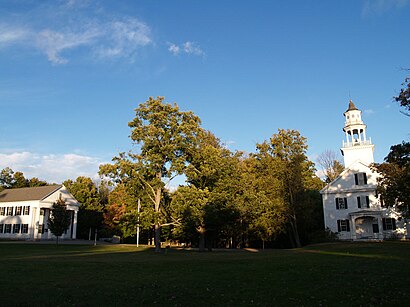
79	26
10	35
52	168
124	38
382	6
187	48
369	111
53	43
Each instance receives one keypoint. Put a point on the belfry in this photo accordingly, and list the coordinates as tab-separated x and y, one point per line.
357	146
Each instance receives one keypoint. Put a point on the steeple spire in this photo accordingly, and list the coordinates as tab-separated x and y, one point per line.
351	106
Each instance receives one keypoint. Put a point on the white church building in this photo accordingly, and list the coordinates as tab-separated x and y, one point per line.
24	212
350	204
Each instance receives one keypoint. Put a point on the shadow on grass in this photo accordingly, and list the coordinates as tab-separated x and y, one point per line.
127	275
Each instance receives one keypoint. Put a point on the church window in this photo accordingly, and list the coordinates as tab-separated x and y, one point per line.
363	202
2	210
7	228
341	203
24	228
389	224
360	178
26	210
16	228
9	210
18	210
343	225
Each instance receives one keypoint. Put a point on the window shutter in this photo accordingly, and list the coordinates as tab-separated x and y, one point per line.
367	201
345	203
337	203
348	225
359	205
356	179
384	223
364	178
338	226
393	221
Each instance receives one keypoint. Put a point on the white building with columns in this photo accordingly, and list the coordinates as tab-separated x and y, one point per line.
350	204
24	212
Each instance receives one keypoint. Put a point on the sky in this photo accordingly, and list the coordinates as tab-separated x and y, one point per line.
73	71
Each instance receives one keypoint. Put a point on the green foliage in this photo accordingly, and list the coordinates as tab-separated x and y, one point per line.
6	178
12	180
394	182
291	176
60	218
230	200
404	97
166	137
87	194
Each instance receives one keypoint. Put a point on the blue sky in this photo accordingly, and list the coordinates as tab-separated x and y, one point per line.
72	72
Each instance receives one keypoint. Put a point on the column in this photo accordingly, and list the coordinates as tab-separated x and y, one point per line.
379	221
353	228
74	225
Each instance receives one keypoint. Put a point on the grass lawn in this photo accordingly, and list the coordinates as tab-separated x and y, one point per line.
349	274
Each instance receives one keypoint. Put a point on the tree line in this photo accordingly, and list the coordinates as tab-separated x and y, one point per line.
230	199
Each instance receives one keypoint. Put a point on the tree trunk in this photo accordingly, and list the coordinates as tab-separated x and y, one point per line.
201	231
295	232
158	223
157	238
57	240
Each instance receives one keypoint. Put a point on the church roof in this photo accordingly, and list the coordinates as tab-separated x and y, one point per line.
23	194
351	106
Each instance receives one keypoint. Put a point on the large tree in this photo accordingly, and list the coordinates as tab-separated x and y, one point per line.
165	138
285	155
394	182
90	215
201	206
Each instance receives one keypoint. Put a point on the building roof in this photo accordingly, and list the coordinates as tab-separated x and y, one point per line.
351	106
24	194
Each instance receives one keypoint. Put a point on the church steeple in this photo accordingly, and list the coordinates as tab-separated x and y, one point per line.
357	146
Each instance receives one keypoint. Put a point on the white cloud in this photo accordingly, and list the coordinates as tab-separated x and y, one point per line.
53	43
369	111
174	49
192	48
118	38
52	168
187	48
10	35
381	6
320	173
124	38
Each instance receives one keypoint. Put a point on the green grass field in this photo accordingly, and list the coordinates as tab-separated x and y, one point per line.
349	274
